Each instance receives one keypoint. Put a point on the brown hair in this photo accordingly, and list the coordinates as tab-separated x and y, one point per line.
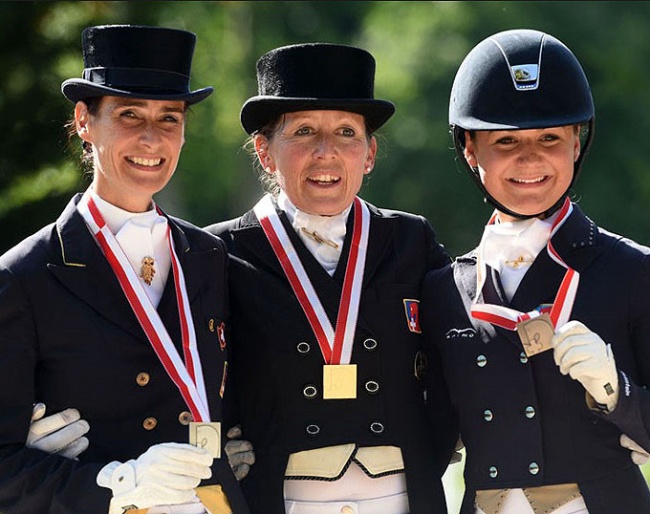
71	128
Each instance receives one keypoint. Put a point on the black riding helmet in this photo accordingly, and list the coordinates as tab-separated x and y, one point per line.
520	79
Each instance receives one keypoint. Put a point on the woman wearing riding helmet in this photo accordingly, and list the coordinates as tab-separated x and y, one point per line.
544	328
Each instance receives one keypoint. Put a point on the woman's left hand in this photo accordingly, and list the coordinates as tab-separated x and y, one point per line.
584	356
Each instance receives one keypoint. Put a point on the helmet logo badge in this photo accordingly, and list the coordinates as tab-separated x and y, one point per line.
525	76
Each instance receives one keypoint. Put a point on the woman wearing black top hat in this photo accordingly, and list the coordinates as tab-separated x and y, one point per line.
324	291
117	308
543	329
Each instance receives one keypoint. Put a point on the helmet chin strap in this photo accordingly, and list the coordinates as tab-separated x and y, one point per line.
457	135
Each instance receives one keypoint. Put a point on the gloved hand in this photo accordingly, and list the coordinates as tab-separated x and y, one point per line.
61	433
166	474
584	356
638	455
240	453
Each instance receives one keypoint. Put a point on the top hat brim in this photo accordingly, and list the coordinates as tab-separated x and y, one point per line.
77	90
258	111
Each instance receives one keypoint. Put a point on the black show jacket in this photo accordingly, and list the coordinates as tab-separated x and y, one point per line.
276	356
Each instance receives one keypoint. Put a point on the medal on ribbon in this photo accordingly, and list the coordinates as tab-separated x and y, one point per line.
535	328
536	334
339	375
187	375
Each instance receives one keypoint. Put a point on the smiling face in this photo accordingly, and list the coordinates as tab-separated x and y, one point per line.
136	145
319	158
527	171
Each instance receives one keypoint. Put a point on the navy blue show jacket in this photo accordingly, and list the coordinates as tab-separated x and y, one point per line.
69	338
524	424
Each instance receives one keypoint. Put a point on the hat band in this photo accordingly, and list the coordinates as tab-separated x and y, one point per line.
121	78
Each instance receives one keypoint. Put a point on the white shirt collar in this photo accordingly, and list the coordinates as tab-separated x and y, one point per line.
116	217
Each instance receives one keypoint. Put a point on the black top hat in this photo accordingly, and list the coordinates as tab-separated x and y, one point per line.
133	61
315	76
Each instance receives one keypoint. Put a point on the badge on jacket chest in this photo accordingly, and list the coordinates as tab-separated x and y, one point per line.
339	382
147	270
411	309
536	334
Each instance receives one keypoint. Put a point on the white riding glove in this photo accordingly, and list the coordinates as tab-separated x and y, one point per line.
165	475
61	433
584	356
638	455
240	453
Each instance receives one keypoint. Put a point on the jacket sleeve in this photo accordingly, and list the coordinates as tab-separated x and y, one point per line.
437	254
32	481
632	412
442	416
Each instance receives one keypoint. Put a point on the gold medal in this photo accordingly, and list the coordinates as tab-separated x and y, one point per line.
147	271
339	382
536	334
208	436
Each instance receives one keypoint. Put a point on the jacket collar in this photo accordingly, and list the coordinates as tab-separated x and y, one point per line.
85	272
249	236
577	242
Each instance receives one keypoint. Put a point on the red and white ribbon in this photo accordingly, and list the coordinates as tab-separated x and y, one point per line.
564	299
188	375
336	345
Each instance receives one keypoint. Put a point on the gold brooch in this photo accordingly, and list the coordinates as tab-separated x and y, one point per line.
147	271
519	261
318	238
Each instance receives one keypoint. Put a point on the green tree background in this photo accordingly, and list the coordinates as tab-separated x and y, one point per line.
418	47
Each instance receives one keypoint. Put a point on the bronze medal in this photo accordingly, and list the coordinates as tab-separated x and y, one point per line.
207	436
339	382
536	334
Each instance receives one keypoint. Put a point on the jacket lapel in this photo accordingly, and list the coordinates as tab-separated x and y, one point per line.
381	231
577	243
250	237
465	269
84	271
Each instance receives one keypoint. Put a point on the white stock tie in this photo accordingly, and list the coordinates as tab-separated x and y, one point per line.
511	247
145	237
322	235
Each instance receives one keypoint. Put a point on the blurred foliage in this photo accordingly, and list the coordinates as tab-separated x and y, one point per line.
418	47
